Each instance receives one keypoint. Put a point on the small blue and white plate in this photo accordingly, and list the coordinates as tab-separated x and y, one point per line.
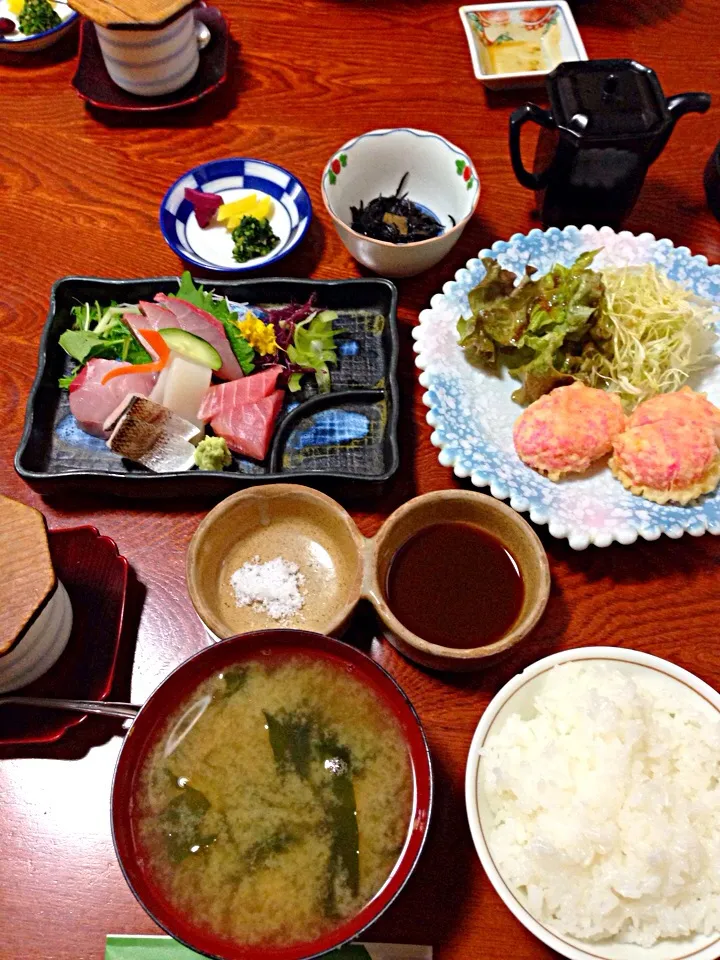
472	411
18	42
212	247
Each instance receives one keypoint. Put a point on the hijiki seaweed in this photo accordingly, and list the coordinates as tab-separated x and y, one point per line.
395	219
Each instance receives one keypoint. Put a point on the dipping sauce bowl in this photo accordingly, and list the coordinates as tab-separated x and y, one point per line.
489	515
341	566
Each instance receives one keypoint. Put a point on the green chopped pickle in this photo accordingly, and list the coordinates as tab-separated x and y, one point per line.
253	238
213	453
37	16
119	947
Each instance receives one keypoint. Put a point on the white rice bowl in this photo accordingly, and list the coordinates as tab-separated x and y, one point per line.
598	821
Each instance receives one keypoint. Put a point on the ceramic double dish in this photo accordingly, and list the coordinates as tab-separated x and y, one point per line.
472	411
348	435
340	566
517	698
273	646
233	179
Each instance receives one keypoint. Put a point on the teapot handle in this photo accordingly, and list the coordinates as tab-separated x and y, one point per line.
683	103
530	111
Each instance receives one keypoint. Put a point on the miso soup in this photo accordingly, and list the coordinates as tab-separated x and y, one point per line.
276	802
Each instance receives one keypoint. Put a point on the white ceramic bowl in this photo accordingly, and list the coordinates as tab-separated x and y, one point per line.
40	647
442	178
517	696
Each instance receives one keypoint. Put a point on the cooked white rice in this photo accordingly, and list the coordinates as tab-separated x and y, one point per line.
606	806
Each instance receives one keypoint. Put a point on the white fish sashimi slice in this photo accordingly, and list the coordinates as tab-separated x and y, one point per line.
182	386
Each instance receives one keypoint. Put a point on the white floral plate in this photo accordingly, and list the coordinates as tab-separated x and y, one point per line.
472	412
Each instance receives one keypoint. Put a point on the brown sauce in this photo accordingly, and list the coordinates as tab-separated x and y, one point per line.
455	585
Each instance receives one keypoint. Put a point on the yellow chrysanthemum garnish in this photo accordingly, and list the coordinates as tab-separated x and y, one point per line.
260	336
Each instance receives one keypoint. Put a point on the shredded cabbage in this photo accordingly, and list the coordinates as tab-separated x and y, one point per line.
652	334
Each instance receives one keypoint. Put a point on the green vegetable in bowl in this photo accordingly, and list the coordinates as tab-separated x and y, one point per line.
213	453
37	16
535	328
253	238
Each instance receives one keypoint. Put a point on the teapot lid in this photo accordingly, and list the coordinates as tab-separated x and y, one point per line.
604	99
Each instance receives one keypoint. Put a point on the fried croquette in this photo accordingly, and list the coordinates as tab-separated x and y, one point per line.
667	461
567	430
685	404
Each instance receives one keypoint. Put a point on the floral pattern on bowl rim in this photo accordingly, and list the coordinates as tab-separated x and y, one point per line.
472	412
463	166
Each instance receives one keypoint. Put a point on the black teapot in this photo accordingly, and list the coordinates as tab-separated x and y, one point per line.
608	121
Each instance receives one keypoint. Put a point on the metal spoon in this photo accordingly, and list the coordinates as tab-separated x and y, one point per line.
81	706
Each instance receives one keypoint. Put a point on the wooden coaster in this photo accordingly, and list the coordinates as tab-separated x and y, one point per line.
27	577
130	13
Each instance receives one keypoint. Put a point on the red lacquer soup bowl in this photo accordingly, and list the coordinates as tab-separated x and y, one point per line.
149	726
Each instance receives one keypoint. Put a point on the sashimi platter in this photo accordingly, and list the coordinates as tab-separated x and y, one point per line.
159	379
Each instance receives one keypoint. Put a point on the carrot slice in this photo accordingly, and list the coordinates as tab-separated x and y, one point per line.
160	347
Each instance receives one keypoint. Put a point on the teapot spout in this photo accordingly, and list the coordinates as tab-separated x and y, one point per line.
684	103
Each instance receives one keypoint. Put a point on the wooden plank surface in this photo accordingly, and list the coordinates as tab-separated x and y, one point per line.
80	196
123	12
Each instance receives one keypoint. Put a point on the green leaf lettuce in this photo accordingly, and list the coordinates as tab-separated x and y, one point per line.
536	328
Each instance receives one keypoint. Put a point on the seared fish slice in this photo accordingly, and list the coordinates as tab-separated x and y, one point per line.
150	434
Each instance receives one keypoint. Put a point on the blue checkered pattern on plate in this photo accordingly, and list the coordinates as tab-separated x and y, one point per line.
236	173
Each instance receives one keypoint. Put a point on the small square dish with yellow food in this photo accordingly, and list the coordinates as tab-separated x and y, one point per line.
518	44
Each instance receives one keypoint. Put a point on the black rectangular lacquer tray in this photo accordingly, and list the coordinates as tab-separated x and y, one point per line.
346	437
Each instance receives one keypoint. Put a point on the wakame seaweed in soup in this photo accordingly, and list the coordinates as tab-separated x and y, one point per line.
277	801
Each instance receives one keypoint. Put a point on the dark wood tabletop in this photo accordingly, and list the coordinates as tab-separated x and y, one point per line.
79	194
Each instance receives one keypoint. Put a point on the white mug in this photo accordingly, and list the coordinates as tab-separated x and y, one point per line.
41	645
150	63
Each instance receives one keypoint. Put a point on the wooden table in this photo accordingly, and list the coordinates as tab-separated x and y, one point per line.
79	194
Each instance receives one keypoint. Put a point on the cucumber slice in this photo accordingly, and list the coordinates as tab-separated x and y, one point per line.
191	347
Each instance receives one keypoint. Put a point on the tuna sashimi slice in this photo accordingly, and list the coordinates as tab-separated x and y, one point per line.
248	428
92	402
226	396
204	325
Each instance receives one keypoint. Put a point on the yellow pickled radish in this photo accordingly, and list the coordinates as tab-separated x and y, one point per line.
251	206
15	7
237	207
